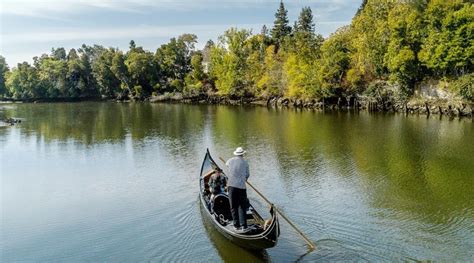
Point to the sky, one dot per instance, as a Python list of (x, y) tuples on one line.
[(30, 28)]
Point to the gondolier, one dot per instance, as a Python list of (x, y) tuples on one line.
[(238, 175)]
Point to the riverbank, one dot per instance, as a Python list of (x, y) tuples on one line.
[(52, 100), (416, 105), (431, 97)]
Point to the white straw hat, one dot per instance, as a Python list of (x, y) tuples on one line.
[(239, 151)]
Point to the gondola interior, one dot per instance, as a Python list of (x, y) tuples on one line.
[(219, 206)]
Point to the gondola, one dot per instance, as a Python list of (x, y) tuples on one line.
[(261, 234)]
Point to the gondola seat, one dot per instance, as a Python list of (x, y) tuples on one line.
[(221, 208)]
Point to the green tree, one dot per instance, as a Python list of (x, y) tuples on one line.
[(361, 7), (464, 86), (59, 53), (52, 73), (406, 32), (132, 45), (304, 42), (23, 82), (119, 69), (194, 80), (271, 81), (305, 21), (175, 60), (280, 29), (449, 46), (142, 70), (3, 71), (303, 58), (228, 62), (87, 84), (256, 46), (196, 65), (73, 74), (370, 38), (334, 63), (107, 81), (302, 77), (92, 52)]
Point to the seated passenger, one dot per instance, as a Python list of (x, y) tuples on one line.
[(217, 182)]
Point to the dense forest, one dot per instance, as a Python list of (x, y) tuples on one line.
[(389, 47)]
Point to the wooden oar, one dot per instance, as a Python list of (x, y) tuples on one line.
[(308, 241)]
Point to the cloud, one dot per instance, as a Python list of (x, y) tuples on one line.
[(46, 8), (150, 37), (131, 32)]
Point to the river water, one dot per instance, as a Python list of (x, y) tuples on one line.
[(119, 183)]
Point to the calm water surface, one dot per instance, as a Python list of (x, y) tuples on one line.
[(118, 182)]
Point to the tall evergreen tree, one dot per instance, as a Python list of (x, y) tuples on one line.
[(264, 33), (305, 20), (295, 28), (264, 30), (132, 44), (361, 8), (280, 26)]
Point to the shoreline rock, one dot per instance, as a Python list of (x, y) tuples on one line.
[(10, 121)]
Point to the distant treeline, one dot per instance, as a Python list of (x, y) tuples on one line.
[(398, 42)]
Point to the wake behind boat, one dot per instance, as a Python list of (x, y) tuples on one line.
[(261, 234)]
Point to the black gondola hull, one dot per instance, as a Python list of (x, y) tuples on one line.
[(267, 239)]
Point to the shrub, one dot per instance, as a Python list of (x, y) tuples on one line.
[(464, 86)]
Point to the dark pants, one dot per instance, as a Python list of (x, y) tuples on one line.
[(238, 205)]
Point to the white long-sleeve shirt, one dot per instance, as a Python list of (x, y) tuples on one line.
[(238, 172)]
